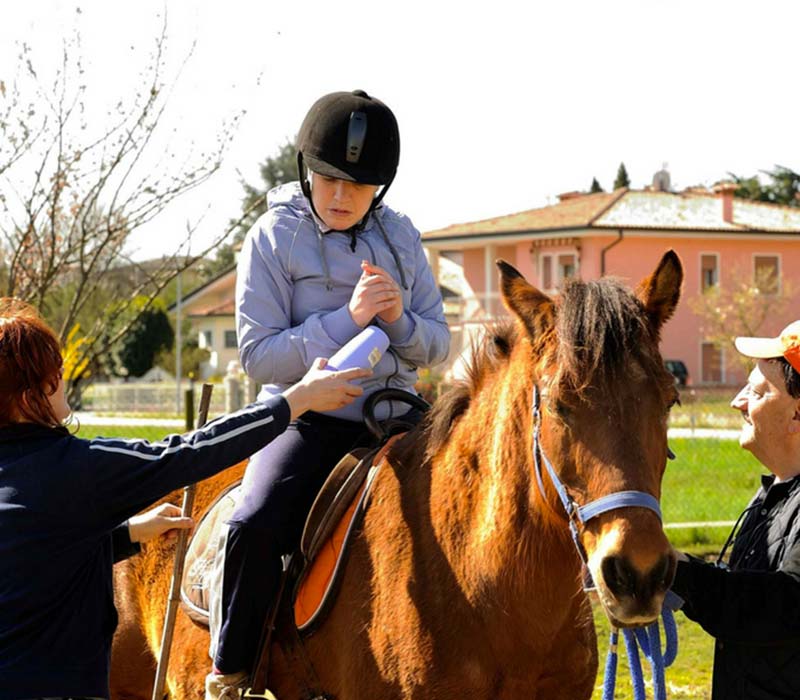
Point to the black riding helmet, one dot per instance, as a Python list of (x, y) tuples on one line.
[(350, 136)]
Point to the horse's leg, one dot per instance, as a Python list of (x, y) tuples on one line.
[(133, 667)]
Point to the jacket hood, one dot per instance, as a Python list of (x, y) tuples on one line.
[(289, 195)]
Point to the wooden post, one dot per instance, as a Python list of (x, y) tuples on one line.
[(177, 570)]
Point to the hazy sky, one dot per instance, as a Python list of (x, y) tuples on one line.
[(501, 105)]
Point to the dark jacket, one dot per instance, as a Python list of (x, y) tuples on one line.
[(60, 499), (753, 608)]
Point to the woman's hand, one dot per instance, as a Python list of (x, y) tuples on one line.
[(162, 520), (375, 294), (324, 390)]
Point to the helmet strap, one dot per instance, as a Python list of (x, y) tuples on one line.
[(381, 195)]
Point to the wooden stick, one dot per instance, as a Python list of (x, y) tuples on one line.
[(177, 571)]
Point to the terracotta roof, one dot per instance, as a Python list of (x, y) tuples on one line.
[(623, 208), (226, 308), (222, 280), (695, 211), (573, 212)]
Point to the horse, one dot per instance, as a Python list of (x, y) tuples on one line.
[(465, 580)]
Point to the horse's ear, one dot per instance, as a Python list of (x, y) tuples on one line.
[(660, 291), (534, 308)]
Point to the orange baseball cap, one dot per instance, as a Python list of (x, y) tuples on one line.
[(787, 345)]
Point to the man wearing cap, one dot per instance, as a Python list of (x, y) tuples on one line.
[(752, 605)]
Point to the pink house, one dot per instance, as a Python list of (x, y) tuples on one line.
[(624, 233)]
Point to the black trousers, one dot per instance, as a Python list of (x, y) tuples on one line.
[(279, 487)]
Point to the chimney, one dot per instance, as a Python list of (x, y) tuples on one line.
[(564, 196), (725, 190)]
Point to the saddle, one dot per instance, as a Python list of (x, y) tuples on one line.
[(325, 538)]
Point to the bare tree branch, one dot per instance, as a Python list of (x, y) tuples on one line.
[(74, 195)]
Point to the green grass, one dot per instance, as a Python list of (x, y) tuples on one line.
[(711, 480), (146, 432), (689, 678)]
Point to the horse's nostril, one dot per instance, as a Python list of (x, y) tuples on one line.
[(662, 573), (619, 576)]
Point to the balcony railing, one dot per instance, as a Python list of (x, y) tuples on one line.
[(474, 308)]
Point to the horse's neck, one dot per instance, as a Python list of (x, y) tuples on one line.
[(488, 518)]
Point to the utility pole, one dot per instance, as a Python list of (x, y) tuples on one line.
[(178, 346)]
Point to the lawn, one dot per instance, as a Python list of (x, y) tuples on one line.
[(710, 480), (147, 432)]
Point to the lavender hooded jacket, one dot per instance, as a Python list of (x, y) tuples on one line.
[(294, 282)]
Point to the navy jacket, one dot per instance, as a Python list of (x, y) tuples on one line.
[(60, 499), (752, 609)]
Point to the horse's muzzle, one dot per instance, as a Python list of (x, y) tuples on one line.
[(636, 592)]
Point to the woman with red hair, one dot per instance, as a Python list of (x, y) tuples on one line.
[(65, 504)]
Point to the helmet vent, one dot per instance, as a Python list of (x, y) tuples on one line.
[(356, 133)]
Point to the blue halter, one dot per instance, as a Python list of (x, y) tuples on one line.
[(578, 515)]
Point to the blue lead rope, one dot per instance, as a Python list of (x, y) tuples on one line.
[(649, 640)]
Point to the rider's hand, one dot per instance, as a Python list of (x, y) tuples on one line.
[(162, 520), (375, 294), (323, 390)]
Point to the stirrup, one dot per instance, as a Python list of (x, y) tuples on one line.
[(266, 695)]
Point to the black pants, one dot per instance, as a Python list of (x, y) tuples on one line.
[(279, 487)]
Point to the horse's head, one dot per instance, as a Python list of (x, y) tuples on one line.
[(604, 401)]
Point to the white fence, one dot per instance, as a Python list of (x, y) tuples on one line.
[(134, 398)]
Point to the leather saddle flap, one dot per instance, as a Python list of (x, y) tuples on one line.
[(334, 499), (201, 554)]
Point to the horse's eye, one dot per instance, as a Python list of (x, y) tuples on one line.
[(562, 411)]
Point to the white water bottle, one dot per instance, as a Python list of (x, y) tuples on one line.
[(364, 350)]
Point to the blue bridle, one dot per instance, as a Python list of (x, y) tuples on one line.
[(578, 515)]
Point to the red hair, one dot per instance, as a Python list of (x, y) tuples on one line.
[(30, 365)]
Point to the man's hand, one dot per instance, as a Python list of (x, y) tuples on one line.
[(376, 294), (162, 520), (324, 390)]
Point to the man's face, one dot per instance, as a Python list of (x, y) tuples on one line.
[(769, 414)]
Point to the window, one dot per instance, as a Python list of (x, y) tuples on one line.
[(547, 271), (711, 359), (709, 271), (230, 339), (766, 273), (566, 266), (206, 339), (555, 268)]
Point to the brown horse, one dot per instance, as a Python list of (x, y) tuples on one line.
[(465, 581)]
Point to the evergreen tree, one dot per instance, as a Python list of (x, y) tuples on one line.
[(783, 188), (596, 186), (274, 171), (150, 333), (622, 177)]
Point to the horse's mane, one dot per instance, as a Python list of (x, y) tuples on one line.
[(600, 328), (486, 354)]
